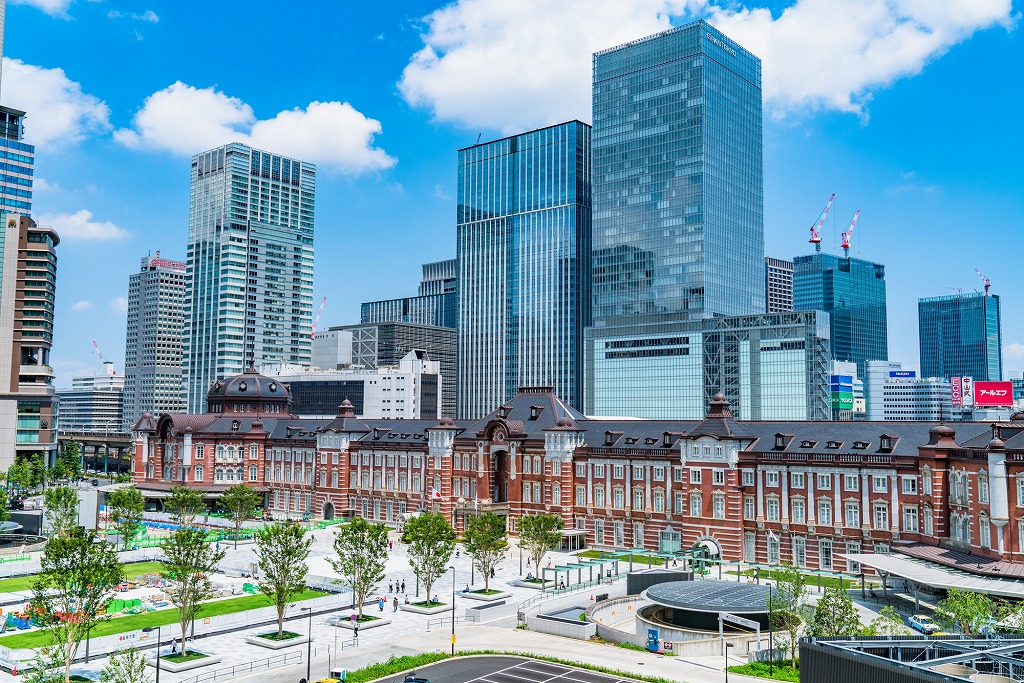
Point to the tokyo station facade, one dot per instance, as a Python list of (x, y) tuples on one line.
[(801, 493)]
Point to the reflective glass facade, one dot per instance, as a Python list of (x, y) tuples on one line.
[(436, 303), (961, 336), (250, 265), (852, 291), (769, 366), (678, 179), (524, 269), (17, 163)]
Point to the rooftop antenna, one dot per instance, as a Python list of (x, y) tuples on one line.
[(478, 136), (815, 228), (847, 233)]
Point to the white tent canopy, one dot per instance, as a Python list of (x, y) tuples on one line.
[(937, 575)]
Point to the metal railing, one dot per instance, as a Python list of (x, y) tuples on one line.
[(239, 669), (441, 621)]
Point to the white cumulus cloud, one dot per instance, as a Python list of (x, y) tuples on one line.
[(513, 66), (82, 305), (186, 120), (1013, 350), (149, 15), (59, 112), (56, 8), (80, 226), (119, 305)]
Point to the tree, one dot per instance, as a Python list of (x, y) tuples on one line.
[(58, 472), (20, 474), (486, 540), (240, 503), (835, 616), (281, 551), (125, 507), (539, 534), (788, 606), (184, 504), (61, 503), (47, 667), (126, 666), (78, 573), (965, 610), (431, 544), (5, 510), (189, 560), (887, 623), (71, 457), (362, 550), (38, 468)]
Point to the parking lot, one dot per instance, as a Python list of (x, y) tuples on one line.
[(508, 670)]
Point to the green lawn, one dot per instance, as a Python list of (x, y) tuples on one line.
[(811, 580), (781, 672), (637, 559), (163, 617), (24, 583)]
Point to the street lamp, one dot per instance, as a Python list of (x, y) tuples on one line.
[(727, 646), (453, 609), (309, 639), (150, 629), (771, 645)]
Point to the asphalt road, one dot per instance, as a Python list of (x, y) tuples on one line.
[(507, 670)]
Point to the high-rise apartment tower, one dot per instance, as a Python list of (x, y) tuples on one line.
[(250, 265), (778, 285), (961, 336), (19, 160)]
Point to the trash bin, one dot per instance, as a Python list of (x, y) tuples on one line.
[(340, 674)]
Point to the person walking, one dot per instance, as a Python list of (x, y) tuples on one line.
[(389, 587), (380, 604), (394, 605), (403, 585)]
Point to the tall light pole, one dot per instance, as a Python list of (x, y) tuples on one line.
[(309, 640), (771, 645), (727, 646), (453, 609), (150, 629)]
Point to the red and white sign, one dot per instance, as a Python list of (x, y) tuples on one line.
[(164, 263), (967, 389), (993, 394), (956, 392)]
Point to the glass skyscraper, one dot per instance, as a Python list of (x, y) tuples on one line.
[(852, 290), (435, 304), (249, 264), (18, 161), (961, 336), (678, 213), (524, 269)]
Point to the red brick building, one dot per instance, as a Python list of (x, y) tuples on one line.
[(803, 493)]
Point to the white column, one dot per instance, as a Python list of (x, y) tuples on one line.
[(865, 502), (894, 519), (784, 480), (812, 504), (837, 500), (760, 495)]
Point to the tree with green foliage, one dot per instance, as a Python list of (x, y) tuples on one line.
[(239, 502), (47, 667), (281, 552), (184, 504), (834, 616), (5, 508), (539, 534), (37, 465), (486, 540), (887, 623), (362, 551), (57, 472), (20, 474), (78, 573), (125, 506), (122, 478), (126, 666), (788, 606), (966, 610), (61, 506), (71, 457), (431, 544), (188, 562)]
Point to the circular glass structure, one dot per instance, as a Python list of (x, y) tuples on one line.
[(696, 604)]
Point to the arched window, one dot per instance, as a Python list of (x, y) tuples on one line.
[(220, 452)]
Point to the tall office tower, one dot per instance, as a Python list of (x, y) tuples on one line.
[(961, 336), (778, 285), (678, 207), (523, 250), (156, 322), (436, 304), (28, 272), (379, 345), (249, 284), (18, 159), (853, 292), (95, 403)]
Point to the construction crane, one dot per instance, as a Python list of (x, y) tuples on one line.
[(816, 228), (988, 283), (96, 350), (846, 235), (316, 320)]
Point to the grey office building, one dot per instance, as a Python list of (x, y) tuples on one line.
[(961, 336), (156, 323), (778, 284), (523, 253), (435, 304), (678, 210)]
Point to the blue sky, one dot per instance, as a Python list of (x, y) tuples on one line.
[(908, 110)]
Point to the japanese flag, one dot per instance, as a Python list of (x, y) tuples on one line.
[(435, 494)]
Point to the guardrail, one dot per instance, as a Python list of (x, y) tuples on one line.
[(441, 621), (233, 671)]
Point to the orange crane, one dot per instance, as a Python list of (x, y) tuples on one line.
[(816, 228), (316, 320), (988, 283), (847, 233)]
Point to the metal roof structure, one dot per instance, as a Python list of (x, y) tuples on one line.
[(937, 575), (710, 595)]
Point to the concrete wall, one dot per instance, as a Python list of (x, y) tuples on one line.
[(482, 614), (580, 630)]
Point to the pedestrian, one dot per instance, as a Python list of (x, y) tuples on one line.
[(389, 587), (527, 562), (492, 572), (174, 647), (312, 538), (380, 604), (403, 585), (218, 546), (394, 604), (407, 598), (457, 552), (355, 630), (391, 545)]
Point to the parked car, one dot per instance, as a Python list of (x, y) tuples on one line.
[(923, 624), (95, 482), (413, 678)]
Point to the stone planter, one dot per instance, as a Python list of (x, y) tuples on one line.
[(345, 622), (416, 609), (276, 644), (484, 597), (534, 586), (185, 666)]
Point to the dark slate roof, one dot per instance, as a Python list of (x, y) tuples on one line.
[(720, 423), (402, 431), (249, 386), (518, 413), (346, 421), (632, 433), (911, 436)]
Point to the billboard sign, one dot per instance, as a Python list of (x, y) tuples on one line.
[(842, 401), (956, 391), (967, 391), (903, 374), (993, 393)]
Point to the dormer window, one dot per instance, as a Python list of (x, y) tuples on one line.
[(235, 424), (243, 385), (780, 440), (273, 386), (610, 438), (834, 444), (535, 412), (632, 439), (886, 443), (650, 441), (503, 412), (860, 445), (806, 443)]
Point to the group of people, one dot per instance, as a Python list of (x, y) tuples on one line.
[(395, 587)]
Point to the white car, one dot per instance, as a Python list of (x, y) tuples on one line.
[(923, 624)]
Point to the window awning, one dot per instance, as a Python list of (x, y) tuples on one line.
[(710, 546), (936, 575)]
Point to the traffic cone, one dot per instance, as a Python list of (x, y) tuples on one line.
[(591, 597)]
